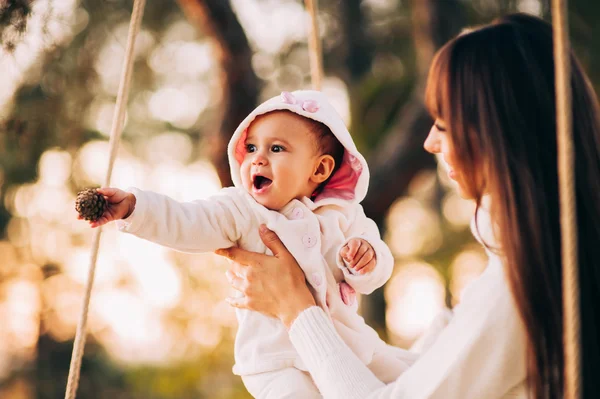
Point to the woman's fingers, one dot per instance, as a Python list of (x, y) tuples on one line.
[(241, 302), (235, 281), (241, 256), (272, 241), (248, 258)]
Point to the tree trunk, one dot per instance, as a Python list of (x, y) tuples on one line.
[(360, 48), (216, 19), (400, 156)]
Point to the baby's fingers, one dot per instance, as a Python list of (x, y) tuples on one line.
[(102, 220), (362, 249), (107, 191), (113, 195), (365, 259), (353, 247), (369, 267)]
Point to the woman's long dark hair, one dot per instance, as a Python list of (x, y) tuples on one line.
[(494, 88)]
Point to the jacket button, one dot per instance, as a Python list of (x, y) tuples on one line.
[(309, 241), (297, 213), (317, 279)]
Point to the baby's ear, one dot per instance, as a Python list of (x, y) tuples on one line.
[(323, 169)]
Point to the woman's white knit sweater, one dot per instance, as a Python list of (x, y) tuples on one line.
[(481, 353)]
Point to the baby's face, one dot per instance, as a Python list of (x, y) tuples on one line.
[(281, 156)]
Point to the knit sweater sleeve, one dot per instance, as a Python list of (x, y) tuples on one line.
[(196, 226), (480, 354)]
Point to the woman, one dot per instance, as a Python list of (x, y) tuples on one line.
[(491, 92)]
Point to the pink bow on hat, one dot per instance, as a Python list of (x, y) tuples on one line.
[(307, 105)]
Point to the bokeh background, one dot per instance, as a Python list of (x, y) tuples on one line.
[(158, 324)]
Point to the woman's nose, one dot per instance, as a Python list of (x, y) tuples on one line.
[(432, 142)]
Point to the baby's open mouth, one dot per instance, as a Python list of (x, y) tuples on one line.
[(260, 182)]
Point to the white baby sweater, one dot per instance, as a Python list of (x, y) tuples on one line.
[(480, 354), (313, 234)]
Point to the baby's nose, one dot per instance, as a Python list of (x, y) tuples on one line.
[(259, 159)]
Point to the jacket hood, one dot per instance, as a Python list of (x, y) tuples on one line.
[(350, 181)]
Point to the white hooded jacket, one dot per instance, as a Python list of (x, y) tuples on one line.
[(314, 231)]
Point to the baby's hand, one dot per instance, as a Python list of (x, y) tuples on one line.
[(359, 255), (120, 205)]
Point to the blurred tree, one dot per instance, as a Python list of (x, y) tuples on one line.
[(240, 86), (382, 56)]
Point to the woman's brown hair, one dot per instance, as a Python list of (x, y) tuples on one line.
[(494, 89)]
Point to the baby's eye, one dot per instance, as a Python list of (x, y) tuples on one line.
[(277, 148), (250, 147)]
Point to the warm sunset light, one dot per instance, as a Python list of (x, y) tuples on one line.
[(159, 325)]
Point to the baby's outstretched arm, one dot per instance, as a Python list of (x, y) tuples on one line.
[(195, 226)]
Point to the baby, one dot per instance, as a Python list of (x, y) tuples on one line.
[(296, 169)]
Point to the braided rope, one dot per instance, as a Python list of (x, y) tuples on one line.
[(115, 134), (568, 221), (314, 46)]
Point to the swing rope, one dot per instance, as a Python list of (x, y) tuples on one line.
[(115, 134), (314, 45), (568, 221)]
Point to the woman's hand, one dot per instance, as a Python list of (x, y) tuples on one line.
[(272, 285)]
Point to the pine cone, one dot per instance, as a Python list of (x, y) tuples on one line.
[(90, 204)]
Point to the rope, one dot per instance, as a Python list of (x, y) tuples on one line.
[(314, 45), (115, 134), (566, 175)]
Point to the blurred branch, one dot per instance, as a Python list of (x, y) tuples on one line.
[(400, 156), (360, 48), (240, 85)]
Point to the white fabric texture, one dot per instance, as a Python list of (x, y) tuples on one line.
[(481, 353), (288, 383), (314, 232)]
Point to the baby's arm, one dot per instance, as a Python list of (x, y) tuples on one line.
[(197, 226), (376, 266)]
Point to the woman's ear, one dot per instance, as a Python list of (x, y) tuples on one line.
[(323, 169)]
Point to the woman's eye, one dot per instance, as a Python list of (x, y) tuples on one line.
[(277, 148), (440, 127), (250, 147)]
